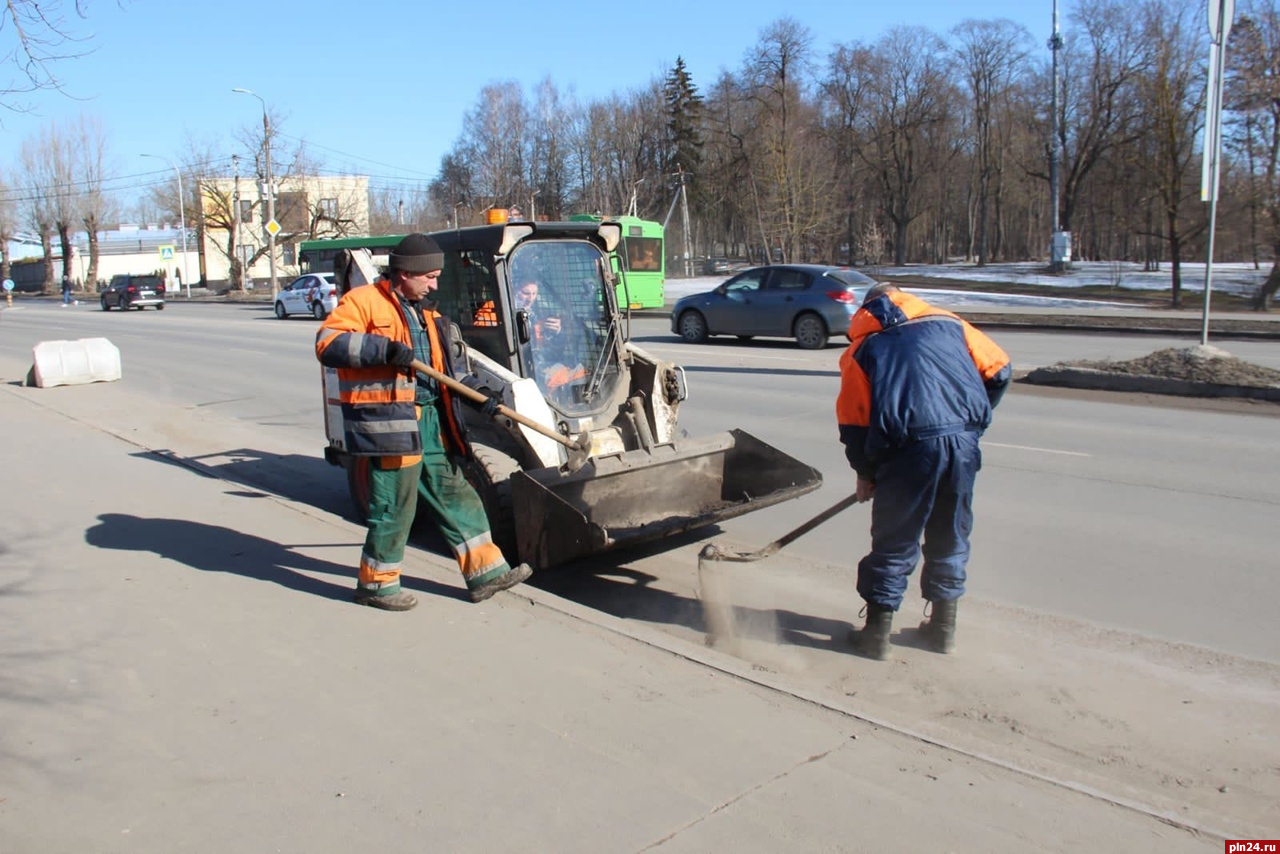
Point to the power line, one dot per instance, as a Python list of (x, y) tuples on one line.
[(33, 192), (357, 157)]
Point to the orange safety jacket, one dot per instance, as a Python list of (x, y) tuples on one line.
[(912, 372), (378, 400), (486, 315)]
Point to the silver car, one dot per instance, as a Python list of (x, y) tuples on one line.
[(807, 302), (314, 294)]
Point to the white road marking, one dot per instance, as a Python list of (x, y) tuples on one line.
[(1041, 450)]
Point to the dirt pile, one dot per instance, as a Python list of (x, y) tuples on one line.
[(1201, 364)]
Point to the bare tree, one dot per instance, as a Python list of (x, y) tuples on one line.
[(42, 37), (549, 167), (1171, 89), (291, 210), (89, 157), (451, 192), (492, 144), (8, 227), (906, 92), (991, 55), (59, 158), (782, 138), (39, 196), (1099, 106), (219, 212), (727, 164), (1253, 93), (845, 101)]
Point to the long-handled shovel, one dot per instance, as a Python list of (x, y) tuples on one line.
[(713, 552), (713, 586), (579, 446)]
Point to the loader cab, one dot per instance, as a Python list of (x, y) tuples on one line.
[(539, 300)]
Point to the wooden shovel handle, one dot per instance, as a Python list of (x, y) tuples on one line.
[(480, 397)]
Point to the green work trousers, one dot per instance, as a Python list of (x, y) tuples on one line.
[(451, 502)]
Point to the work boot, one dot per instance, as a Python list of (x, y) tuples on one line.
[(873, 640), (401, 600), (939, 632), (508, 579)]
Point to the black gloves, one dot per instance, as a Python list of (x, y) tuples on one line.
[(492, 399), (399, 354)]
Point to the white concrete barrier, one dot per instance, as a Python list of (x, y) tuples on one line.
[(85, 360)]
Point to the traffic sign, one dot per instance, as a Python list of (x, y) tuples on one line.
[(166, 253), (1221, 14), (273, 228), (8, 284)]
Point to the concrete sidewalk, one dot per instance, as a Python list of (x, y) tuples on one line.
[(183, 670)]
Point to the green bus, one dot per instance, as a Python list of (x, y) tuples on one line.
[(316, 256), (643, 258)]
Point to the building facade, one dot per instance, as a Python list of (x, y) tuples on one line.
[(232, 224), (235, 215)]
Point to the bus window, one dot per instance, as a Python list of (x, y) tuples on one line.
[(644, 254)]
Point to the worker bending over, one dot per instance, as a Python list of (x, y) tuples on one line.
[(918, 386)]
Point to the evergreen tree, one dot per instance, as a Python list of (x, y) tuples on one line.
[(684, 121)]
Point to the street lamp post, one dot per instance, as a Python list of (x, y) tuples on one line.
[(1059, 241), (182, 218), (635, 185), (270, 188)]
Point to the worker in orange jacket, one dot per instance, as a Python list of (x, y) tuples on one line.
[(407, 426), (918, 386)]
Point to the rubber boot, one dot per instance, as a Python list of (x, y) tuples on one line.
[(508, 579), (939, 633), (873, 640), (401, 600)]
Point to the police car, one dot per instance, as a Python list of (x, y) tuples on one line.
[(314, 294)]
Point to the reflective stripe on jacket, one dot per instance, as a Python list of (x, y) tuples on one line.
[(910, 372), (378, 407)]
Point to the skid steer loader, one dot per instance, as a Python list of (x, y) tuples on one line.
[(565, 361)]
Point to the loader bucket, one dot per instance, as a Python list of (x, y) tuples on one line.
[(637, 496)]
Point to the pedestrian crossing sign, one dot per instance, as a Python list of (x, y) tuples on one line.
[(166, 253)]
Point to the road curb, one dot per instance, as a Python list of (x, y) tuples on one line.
[(1080, 323), (1089, 378)]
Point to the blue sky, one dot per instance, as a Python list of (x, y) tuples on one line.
[(380, 87)]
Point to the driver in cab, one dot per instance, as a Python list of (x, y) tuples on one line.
[(544, 332)]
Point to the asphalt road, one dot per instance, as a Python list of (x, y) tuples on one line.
[(1121, 511)]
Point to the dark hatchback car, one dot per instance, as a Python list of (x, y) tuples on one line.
[(129, 291), (715, 265), (807, 302)]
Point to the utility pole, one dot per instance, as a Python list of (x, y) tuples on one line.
[(182, 219), (1060, 241), (1221, 15), (635, 185), (684, 217), (235, 215), (269, 190)]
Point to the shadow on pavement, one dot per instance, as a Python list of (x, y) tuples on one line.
[(304, 479), (631, 594), (213, 548)]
